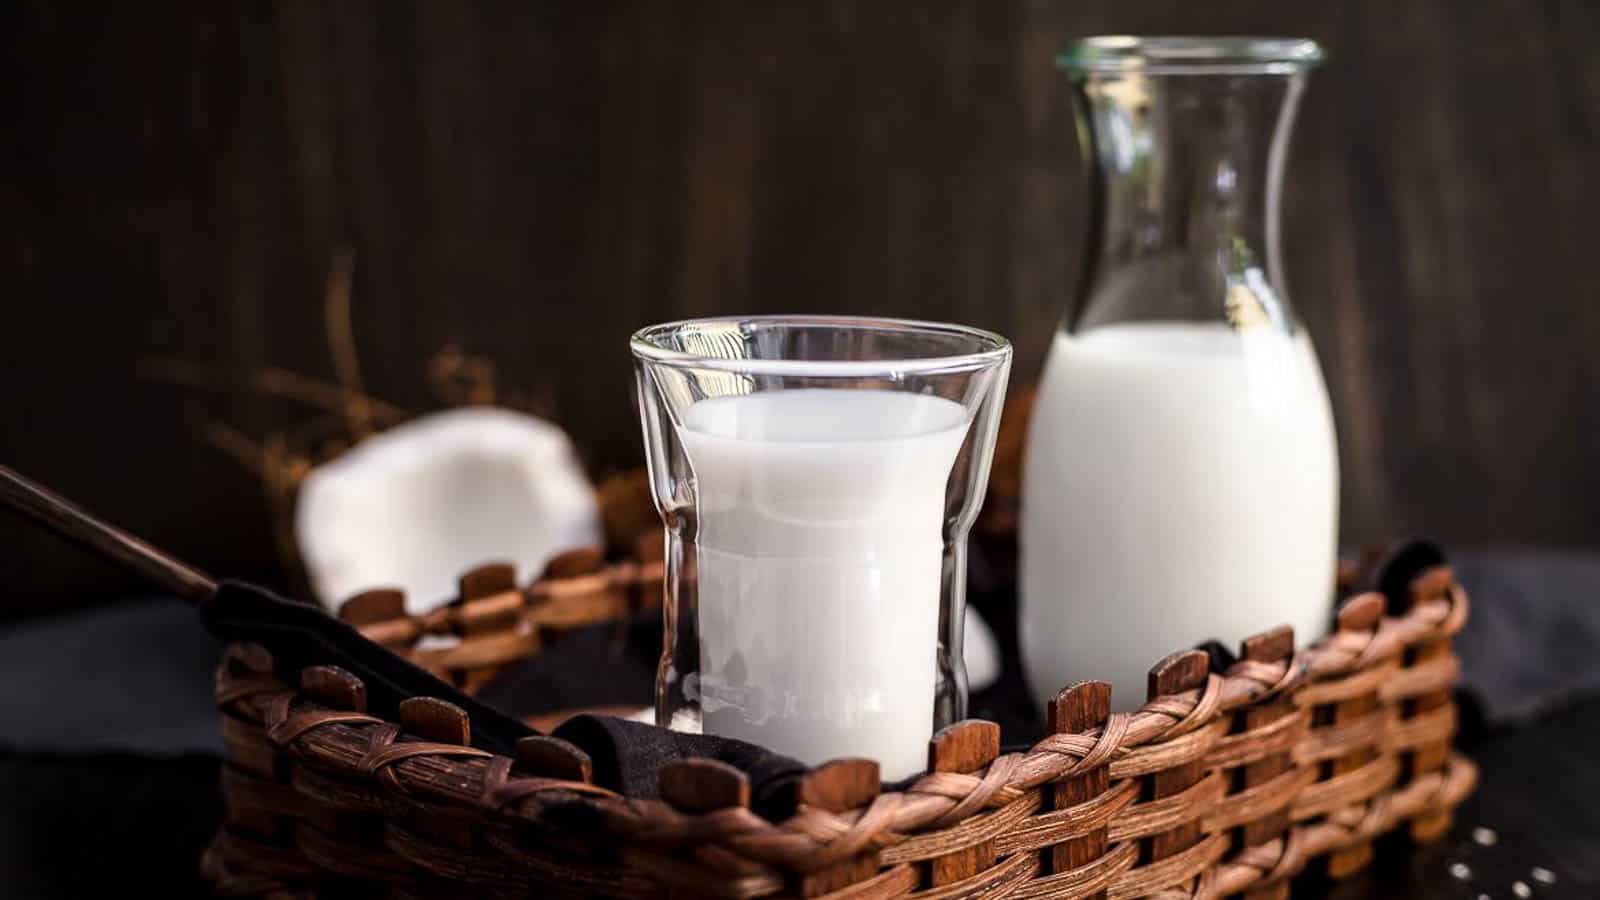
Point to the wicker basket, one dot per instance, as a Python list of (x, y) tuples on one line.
[(1224, 782)]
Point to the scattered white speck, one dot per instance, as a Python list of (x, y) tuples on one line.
[(1460, 871), (1543, 875), (1521, 889), (1485, 837)]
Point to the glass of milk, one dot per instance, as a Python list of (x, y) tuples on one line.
[(817, 477), (1181, 478)]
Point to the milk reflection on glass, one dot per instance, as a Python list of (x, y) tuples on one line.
[(819, 561), (817, 477)]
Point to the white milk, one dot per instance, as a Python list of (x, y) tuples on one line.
[(1181, 483), (819, 552)]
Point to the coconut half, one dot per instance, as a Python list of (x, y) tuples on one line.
[(415, 506)]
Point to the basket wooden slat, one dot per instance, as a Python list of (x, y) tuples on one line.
[(494, 623), (1428, 717), (1227, 780)]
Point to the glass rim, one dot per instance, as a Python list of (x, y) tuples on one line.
[(992, 348), (1190, 55)]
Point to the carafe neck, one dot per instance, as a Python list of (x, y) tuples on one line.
[(1184, 142)]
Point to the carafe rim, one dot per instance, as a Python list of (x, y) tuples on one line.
[(1190, 55)]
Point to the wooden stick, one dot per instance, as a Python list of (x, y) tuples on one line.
[(1185, 670), (838, 787), (1272, 646), (1076, 709), (1430, 585), (1362, 612), (967, 746), (67, 519)]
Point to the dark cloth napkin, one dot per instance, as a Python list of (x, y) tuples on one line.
[(136, 678), (1532, 643), (628, 755), (300, 635)]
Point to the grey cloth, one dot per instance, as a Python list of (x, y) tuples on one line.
[(1533, 640), (132, 678)]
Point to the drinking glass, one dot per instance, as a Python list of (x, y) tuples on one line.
[(817, 477)]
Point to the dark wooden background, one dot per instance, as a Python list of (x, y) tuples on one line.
[(529, 181)]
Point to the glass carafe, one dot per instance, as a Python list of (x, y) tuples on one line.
[(1181, 480)]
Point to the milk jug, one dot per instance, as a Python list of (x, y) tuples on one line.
[(1181, 478)]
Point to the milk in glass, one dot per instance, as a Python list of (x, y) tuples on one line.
[(1182, 484), (818, 557)]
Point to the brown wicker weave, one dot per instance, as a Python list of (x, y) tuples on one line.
[(1224, 782), (496, 623)]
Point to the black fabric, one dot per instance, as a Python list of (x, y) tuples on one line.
[(628, 756), (1392, 572), (299, 635), (605, 665)]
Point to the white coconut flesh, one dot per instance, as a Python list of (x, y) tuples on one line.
[(415, 506)]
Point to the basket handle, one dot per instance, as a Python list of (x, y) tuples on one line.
[(57, 513)]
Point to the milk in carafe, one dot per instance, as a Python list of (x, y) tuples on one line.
[(1182, 484)]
